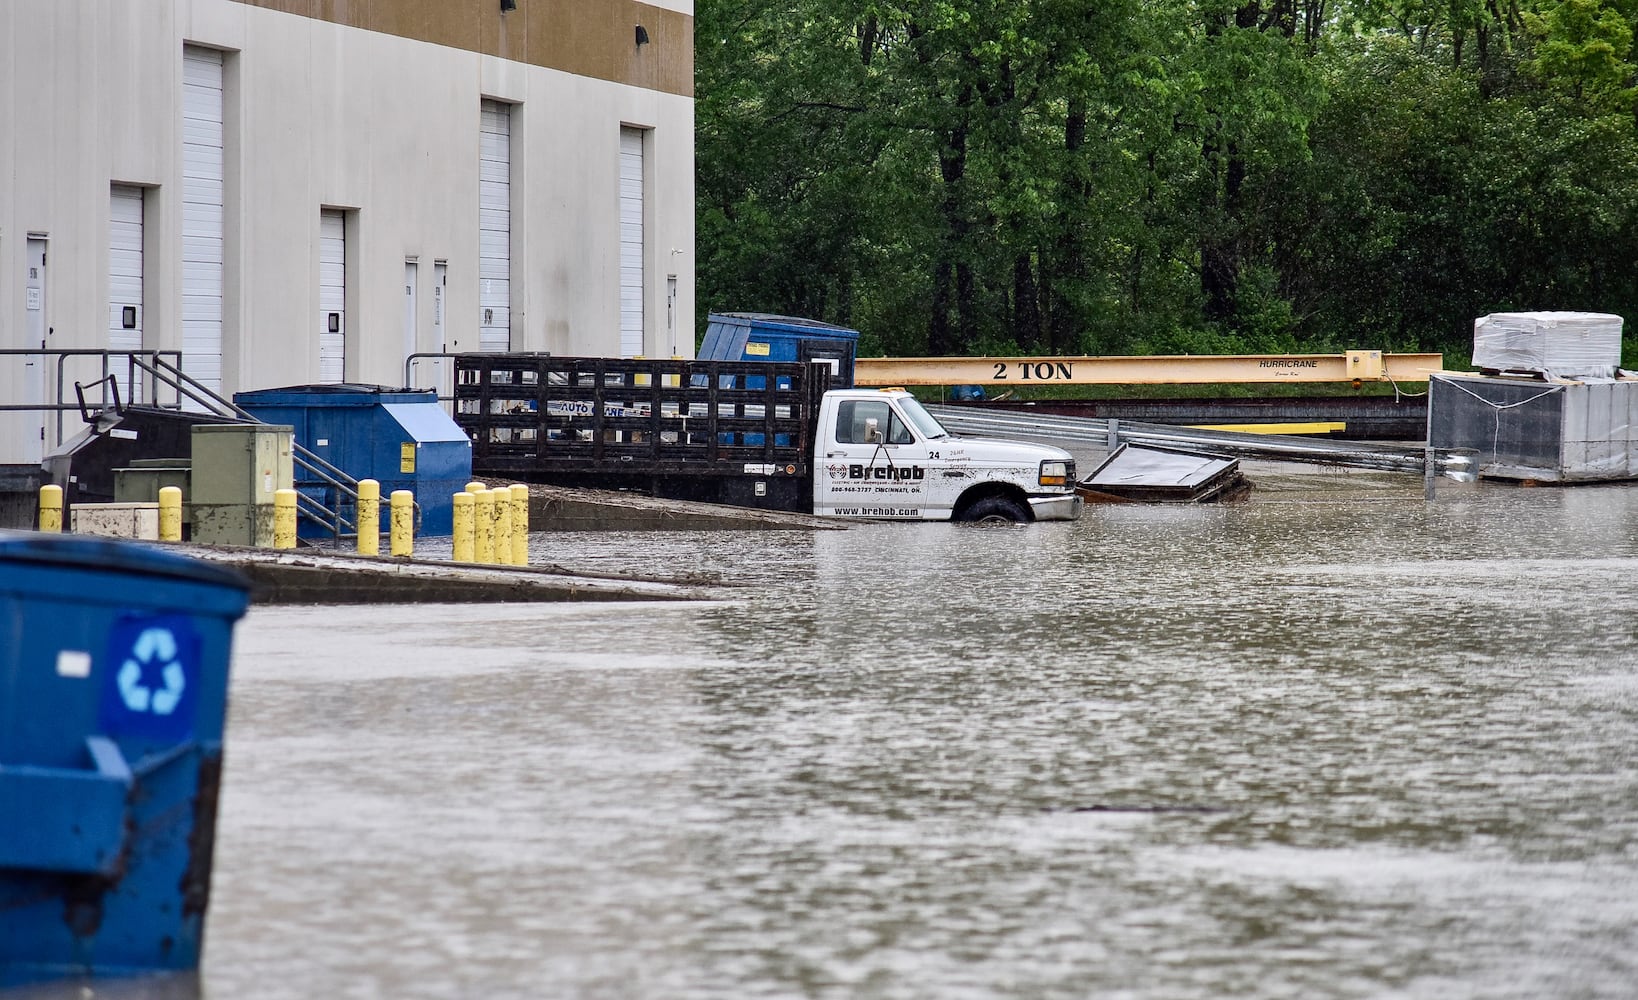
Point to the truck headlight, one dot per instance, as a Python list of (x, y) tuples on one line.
[(1056, 473)]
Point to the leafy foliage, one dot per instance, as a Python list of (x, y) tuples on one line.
[(1053, 176)]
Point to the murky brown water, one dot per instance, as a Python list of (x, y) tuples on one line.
[(1334, 742)]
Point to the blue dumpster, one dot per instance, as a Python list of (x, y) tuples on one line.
[(113, 695), (763, 337), (401, 438)]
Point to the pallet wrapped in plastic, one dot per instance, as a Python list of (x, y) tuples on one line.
[(1555, 344)]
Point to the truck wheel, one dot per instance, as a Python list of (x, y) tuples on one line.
[(997, 510)]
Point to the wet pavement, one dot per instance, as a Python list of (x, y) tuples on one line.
[(1332, 742)]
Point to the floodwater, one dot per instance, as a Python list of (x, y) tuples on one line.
[(1333, 742)]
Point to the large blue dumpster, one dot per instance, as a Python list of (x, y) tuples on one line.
[(763, 337), (113, 695), (401, 438)]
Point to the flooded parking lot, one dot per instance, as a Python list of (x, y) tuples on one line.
[(1333, 742)]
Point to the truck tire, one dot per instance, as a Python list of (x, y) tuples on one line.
[(997, 510)]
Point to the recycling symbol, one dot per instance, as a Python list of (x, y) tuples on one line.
[(155, 650)]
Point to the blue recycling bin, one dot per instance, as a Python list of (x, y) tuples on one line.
[(113, 696)]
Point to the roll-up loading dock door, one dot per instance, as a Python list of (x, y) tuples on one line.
[(495, 228), (632, 247), (202, 215), (332, 295), (125, 283)]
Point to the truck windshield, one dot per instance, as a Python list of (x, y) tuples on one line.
[(924, 422)]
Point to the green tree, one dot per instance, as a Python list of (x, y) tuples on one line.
[(1171, 175)]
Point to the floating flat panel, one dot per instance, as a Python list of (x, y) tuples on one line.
[(1160, 475)]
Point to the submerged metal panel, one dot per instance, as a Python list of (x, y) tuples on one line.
[(1151, 467)]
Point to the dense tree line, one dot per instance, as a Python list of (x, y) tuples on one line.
[(1166, 176)]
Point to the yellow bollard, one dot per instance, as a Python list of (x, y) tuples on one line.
[(520, 525), (51, 508), (474, 486), (402, 535), (284, 519), (369, 517), (503, 525), (463, 541), (483, 540), (170, 514)]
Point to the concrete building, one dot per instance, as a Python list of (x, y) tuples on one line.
[(300, 191)]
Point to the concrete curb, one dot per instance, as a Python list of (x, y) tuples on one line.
[(304, 577)]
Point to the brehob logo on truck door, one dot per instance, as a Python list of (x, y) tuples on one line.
[(886, 473)]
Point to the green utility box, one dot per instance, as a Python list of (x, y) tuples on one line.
[(236, 469), (141, 481)]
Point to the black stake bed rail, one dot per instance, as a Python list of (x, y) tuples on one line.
[(729, 431)]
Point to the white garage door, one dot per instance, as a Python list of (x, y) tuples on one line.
[(495, 227), (332, 295), (202, 248), (125, 284), (631, 242)]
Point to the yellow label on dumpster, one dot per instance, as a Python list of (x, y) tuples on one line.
[(761, 350), (406, 457)]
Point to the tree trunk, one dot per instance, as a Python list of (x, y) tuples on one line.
[(1068, 260), (938, 324), (1219, 249), (952, 164), (1026, 307)]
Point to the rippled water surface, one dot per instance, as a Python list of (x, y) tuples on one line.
[(1334, 742)]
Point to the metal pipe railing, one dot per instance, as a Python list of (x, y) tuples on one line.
[(1111, 433)]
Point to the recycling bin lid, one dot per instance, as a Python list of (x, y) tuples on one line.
[(109, 555)]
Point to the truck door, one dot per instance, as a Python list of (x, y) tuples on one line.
[(875, 465)]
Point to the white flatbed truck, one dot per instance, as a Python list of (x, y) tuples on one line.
[(774, 436)]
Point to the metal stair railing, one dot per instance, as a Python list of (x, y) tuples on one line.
[(310, 507), (1110, 433)]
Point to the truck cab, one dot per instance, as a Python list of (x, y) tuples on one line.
[(878, 453)]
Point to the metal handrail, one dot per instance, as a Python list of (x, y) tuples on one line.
[(62, 355), (328, 474), (411, 359), (409, 367), (165, 367), (1110, 433)]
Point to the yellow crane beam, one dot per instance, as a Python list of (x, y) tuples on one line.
[(1180, 369)]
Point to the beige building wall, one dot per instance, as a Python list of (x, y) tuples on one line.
[(371, 107)]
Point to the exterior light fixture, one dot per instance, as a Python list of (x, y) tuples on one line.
[(507, 5), (642, 35)]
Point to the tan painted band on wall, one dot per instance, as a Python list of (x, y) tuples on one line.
[(595, 38)]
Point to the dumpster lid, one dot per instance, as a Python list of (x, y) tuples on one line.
[(333, 394), (110, 554), (426, 424), (771, 319)]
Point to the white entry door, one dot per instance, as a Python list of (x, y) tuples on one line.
[(411, 311), (440, 332), (125, 286), (332, 296), (34, 305)]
